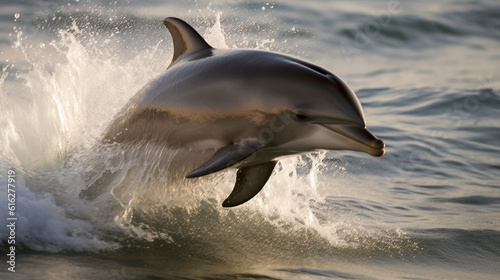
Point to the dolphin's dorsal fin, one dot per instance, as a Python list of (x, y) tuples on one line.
[(186, 39)]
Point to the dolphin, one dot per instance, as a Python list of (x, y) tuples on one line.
[(244, 109)]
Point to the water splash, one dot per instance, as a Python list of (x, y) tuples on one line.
[(215, 34), (53, 113)]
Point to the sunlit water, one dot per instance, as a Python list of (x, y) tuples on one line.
[(427, 75)]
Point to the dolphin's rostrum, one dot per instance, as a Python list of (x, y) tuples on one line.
[(244, 109)]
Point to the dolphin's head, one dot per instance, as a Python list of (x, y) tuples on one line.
[(322, 112)]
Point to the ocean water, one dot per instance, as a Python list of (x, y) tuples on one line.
[(427, 74)]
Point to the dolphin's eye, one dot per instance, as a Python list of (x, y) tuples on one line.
[(301, 117)]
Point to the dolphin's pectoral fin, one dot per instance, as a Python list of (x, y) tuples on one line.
[(226, 156), (249, 181), (186, 39)]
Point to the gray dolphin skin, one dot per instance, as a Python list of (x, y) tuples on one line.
[(244, 109)]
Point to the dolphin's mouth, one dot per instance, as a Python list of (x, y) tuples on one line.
[(371, 144)]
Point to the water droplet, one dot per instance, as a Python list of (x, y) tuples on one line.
[(263, 8)]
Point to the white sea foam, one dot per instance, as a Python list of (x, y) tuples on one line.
[(43, 226)]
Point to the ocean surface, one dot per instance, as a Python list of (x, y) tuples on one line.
[(426, 72)]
